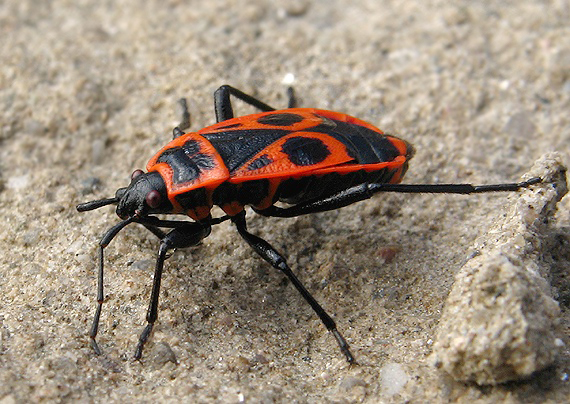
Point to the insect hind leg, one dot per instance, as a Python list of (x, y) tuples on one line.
[(364, 191)]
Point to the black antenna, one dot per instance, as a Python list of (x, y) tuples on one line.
[(82, 207)]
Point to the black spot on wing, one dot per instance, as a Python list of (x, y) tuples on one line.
[(365, 145), (281, 119), (237, 147), (259, 162), (305, 151), (187, 162)]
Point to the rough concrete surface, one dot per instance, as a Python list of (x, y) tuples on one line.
[(88, 93), (499, 321)]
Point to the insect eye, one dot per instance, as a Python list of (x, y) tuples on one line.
[(136, 173), (153, 199)]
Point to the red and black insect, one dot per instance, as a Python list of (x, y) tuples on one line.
[(311, 159)]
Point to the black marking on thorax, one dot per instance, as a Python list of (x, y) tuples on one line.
[(187, 162)]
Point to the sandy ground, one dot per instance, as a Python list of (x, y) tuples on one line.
[(88, 93)]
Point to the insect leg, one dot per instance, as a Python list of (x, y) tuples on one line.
[(107, 238), (367, 190), (269, 254), (153, 224), (453, 188), (292, 100), (223, 105), (190, 234), (185, 122)]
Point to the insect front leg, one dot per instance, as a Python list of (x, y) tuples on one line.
[(107, 238), (152, 224), (273, 257), (187, 235)]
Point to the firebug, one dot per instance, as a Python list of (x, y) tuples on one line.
[(311, 159)]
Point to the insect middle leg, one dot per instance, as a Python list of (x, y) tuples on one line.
[(223, 104), (273, 257)]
